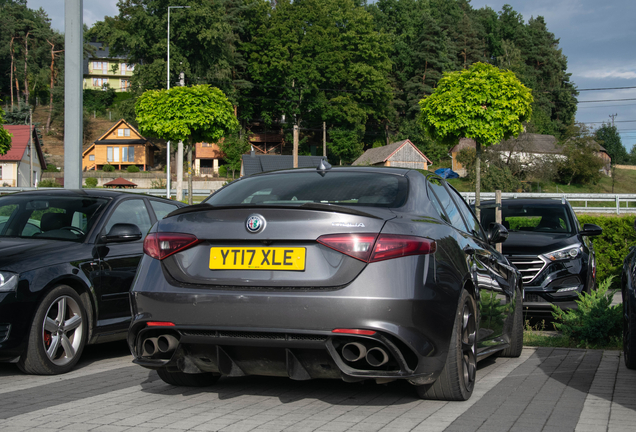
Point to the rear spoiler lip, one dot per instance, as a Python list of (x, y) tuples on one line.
[(307, 206)]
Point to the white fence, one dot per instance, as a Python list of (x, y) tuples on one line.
[(581, 203)]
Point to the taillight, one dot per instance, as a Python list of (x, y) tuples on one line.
[(162, 245), (373, 248)]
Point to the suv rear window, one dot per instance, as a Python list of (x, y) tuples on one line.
[(343, 188), (531, 218)]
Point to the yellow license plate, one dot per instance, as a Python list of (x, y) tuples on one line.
[(257, 258)]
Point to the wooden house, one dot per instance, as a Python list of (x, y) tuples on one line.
[(401, 154), (15, 165), (206, 159), (121, 146)]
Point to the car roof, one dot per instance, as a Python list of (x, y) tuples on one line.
[(99, 193), (384, 170), (528, 201)]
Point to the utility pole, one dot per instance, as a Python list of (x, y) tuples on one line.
[(180, 154), (73, 66), (295, 146), (324, 139), (31, 184), (613, 116)]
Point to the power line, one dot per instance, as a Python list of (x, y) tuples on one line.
[(607, 100)]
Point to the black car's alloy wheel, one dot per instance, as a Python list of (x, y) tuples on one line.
[(58, 334), (187, 380), (457, 380), (629, 332)]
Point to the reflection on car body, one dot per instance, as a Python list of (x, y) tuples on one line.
[(396, 279)]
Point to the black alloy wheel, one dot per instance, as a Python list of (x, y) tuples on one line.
[(457, 380)]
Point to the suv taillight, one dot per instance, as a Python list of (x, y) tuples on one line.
[(372, 248), (162, 245)]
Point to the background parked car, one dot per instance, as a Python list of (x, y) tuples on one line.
[(628, 290), (351, 273), (553, 253), (67, 261)]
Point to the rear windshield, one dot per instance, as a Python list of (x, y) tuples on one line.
[(543, 218), (297, 188)]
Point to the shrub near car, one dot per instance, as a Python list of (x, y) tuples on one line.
[(553, 253), (67, 261), (350, 273)]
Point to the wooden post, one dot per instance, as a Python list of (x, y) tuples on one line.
[(324, 139), (498, 213), (295, 153)]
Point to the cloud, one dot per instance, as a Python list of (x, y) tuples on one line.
[(608, 74)]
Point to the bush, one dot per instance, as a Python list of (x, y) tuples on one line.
[(108, 168), (91, 182), (595, 323), (132, 168), (222, 171), (613, 245), (51, 168), (48, 183)]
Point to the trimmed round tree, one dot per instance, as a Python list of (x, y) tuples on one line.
[(190, 114), (483, 102)]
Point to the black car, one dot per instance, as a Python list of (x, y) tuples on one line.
[(347, 273), (553, 253), (628, 289), (67, 261)]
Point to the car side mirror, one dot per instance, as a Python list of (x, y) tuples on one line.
[(122, 232), (497, 233), (591, 230)]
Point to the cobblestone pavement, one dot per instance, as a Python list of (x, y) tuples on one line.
[(544, 390)]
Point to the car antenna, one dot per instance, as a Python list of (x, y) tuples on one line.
[(323, 167)]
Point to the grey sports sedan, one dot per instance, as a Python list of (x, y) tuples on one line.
[(349, 273)]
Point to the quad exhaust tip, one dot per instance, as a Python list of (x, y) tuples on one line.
[(377, 357), (354, 351), (160, 344)]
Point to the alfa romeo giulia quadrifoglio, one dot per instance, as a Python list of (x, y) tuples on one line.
[(349, 273)]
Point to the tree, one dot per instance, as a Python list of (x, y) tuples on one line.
[(189, 114), (607, 136), (5, 136), (234, 146), (582, 165), (483, 103)]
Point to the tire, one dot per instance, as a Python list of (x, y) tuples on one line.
[(457, 380), (516, 332), (629, 331), (188, 380), (58, 334)]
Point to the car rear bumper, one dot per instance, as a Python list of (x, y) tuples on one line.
[(290, 332)]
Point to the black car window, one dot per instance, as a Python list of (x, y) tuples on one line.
[(473, 225), (360, 188), (162, 209), (132, 211), (448, 204), (46, 216), (533, 217)]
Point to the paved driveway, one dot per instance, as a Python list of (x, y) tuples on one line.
[(543, 390)]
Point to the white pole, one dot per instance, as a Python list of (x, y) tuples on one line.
[(73, 59)]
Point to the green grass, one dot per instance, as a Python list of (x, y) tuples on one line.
[(537, 336)]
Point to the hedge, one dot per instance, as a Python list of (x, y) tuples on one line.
[(613, 245)]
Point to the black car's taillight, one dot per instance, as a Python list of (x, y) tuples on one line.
[(372, 248), (162, 245)]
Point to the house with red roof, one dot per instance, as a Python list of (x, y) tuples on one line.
[(15, 166)]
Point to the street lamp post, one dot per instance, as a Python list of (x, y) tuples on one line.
[(168, 82)]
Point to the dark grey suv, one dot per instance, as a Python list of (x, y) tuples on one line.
[(352, 273), (553, 253)]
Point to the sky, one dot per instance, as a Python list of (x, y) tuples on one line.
[(597, 37)]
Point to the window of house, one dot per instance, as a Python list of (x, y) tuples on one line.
[(127, 132), (91, 157), (125, 84), (206, 144), (115, 154), (128, 154), (0, 171), (120, 132), (97, 65), (109, 154), (130, 67), (98, 82)]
